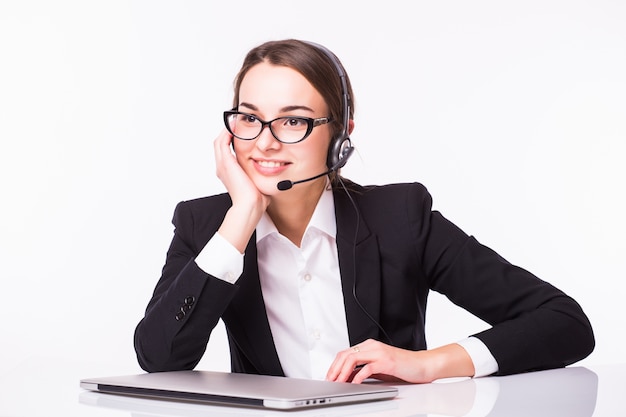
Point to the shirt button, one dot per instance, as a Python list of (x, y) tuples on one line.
[(316, 334), (307, 277)]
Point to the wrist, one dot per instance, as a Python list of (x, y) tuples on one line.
[(239, 224)]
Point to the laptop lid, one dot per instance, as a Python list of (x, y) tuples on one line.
[(240, 389)]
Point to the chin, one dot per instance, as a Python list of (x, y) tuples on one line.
[(268, 186)]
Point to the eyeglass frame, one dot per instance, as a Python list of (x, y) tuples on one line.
[(311, 124)]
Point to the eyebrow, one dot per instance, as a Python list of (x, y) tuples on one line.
[(282, 110)]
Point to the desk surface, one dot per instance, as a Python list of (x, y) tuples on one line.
[(597, 391)]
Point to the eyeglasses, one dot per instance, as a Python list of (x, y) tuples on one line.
[(287, 129)]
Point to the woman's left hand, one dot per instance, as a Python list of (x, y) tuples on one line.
[(374, 359)]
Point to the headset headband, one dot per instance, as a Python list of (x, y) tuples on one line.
[(337, 150)]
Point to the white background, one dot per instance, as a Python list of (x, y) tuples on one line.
[(513, 114)]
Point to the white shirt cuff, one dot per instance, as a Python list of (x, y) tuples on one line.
[(221, 259), (484, 362)]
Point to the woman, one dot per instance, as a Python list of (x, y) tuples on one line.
[(323, 278)]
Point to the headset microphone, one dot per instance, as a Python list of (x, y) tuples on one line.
[(345, 154)]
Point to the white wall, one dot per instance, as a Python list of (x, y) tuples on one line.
[(512, 113)]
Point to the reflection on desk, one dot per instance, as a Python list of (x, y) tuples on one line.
[(569, 392), (50, 386)]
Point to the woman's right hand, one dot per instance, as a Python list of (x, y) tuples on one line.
[(249, 203), (239, 186)]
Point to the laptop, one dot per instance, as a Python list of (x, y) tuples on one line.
[(243, 390)]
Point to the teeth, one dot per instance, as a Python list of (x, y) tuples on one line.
[(269, 164)]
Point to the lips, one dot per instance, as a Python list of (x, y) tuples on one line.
[(270, 166)]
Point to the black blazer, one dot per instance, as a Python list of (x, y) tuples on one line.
[(392, 250)]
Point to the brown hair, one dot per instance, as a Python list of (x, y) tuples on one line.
[(309, 61)]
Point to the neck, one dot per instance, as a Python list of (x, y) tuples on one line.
[(291, 211)]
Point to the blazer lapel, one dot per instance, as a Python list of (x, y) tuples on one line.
[(251, 329), (359, 259)]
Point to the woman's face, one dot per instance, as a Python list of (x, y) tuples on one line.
[(268, 91)]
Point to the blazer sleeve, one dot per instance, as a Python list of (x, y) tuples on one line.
[(534, 325), (186, 304)]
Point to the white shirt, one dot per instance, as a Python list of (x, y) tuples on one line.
[(302, 293)]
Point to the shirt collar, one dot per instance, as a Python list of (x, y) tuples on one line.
[(323, 218)]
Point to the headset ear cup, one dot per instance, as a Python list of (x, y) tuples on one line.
[(337, 151)]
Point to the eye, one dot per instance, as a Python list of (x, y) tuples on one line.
[(245, 119), (248, 118), (295, 123)]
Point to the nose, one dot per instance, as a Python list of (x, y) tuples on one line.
[(266, 140)]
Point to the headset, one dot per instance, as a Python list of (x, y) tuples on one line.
[(340, 147)]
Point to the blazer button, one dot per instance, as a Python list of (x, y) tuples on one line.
[(180, 315), (190, 300)]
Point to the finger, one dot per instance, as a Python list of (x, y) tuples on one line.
[(353, 363), (225, 160), (335, 367), (362, 373), (364, 360), (347, 371), (221, 144), (338, 364)]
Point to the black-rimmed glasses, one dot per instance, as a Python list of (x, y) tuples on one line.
[(286, 129)]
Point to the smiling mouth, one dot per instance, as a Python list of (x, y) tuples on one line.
[(270, 164)]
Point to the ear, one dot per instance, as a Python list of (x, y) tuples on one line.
[(350, 126)]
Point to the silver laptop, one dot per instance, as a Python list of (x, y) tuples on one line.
[(240, 389)]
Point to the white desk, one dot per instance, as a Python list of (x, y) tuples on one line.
[(53, 389)]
